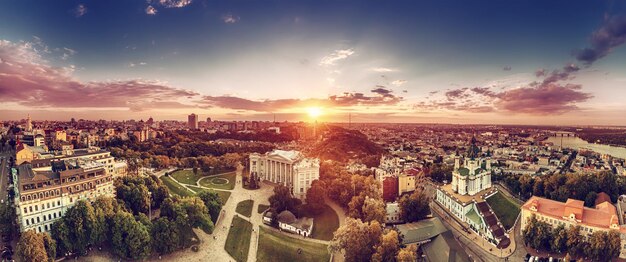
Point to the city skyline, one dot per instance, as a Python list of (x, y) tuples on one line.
[(432, 62)]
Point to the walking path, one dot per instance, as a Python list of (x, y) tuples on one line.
[(211, 247)]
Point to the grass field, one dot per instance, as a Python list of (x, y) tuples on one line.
[(324, 223), (245, 207), (274, 246), (175, 188), (216, 181), (224, 195), (186, 176), (238, 240), (262, 208), (505, 208)]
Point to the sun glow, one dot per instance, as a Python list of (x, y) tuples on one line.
[(314, 112)]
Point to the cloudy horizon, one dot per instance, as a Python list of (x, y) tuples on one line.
[(430, 62)]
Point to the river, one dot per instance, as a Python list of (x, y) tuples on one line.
[(577, 143)]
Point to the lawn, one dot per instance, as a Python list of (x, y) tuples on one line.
[(224, 195), (262, 208), (225, 181), (186, 176), (238, 240), (505, 208), (175, 188), (245, 207), (274, 246), (324, 224)]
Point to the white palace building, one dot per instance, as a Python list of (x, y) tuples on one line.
[(465, 198), (289, 168)]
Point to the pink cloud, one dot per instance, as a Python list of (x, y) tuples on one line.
[(27, 78)]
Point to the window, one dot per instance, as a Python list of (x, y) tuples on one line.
[(38, 220), (48, 205), (30, 209), (24, 210), (36, 207), (27, 222)]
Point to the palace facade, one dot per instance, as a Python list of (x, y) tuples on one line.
[(289, 168)]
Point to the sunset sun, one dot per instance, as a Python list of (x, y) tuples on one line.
[(314, 112)]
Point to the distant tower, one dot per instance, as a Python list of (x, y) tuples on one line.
[(192, 121), (29, 124), (349, 120), (150, 121), (208, 120)]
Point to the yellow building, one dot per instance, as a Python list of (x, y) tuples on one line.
[(574, 213)]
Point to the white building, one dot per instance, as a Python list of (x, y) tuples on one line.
[(289, 168), (393, 213), (46, 188), (465, 198)]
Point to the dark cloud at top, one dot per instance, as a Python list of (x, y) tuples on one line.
[(611, 34)]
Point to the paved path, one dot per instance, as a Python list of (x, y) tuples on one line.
[(211, 247), (342, 214)]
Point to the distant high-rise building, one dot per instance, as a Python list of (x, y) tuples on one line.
[(150, 121), (192, 121), (29, 124)]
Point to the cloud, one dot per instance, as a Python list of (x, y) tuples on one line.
[(230, 18), (398, 82), (173, 3), (80, 10), (336, 56), (381, 96), (132, 64), (611, 34), (545, 98), (542, 100), (26, 78), (540, 72), (150, 10), (507, 68), (382, 69)]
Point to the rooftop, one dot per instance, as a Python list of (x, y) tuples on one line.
[(464, 198), (603, 215), (422, 230)]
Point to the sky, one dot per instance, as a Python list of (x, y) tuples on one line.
[(485, 62)]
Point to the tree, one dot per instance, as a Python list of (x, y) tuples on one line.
[(559, 239), (165, 236), (50, 246), (407, 254), (388, 248), (213, 203), (129, 238), (32, 247), (315, 196), (358, 240), (374, 209), (81, 223), (7, 218), (282, 200), (574, 241), (60, 233), (613, 244), (414, 207)]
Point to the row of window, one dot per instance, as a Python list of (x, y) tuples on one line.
[(43, 207), (57, 192), (45, 218)]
